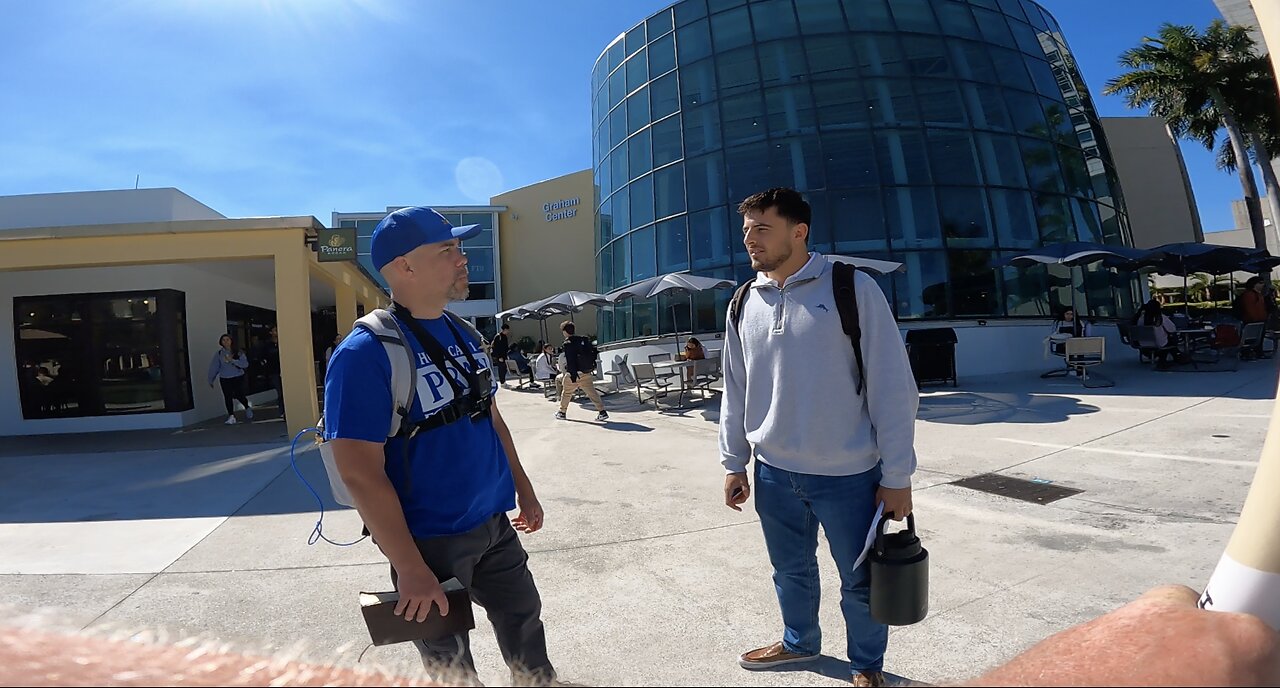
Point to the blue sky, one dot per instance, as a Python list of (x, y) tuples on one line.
[(302, 107)]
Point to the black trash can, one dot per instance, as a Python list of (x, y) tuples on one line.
[(933, 355)]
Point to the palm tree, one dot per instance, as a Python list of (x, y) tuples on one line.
[(1180, 73)]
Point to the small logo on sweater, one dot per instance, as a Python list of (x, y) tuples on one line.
[(823, 306)]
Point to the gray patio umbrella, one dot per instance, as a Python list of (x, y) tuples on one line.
[(674, 283), (1072, 254), (880, 267)]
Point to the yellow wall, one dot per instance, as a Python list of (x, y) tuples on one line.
[(542, 256)]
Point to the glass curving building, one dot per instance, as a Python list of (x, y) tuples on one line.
[(943, 134)]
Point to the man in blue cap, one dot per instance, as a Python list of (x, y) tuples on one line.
[(434, 494)]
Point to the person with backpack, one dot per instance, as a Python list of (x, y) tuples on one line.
[(818, 390), (413, 427), (579, 373)]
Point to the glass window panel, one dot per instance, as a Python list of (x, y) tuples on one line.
[(730, 30), (773, 19), (480, 264), (482, 240), (868, 15), (1043, 78), (669, 191), (986, 4), (1024, 289), (482, 291), (880, 55), (857, 221), (621, 212), (617, 125), (939, 102), (709, 239), (698, 84), (743, 119), (637, 68), (604, 277), (748, 170), (673, 312), (662, 55), (921, 290), (666, 141), (1098, 291), (1026, 38), (1053, 218), (604, 222), (841, 104), (1001, 160), (850, 160), (736, 71), (973, 283), (893, 102), (1028, 116), (912, 216), (454, 219), (485, 220), (701, 129), (831, 57), (615, 54), (994, 28), (927, 56), (644, 313), (622, 329), (953, 158), (1075, 172), (1012, 9), (640, 153), (1010, 68), (1088, 222), (902, 156), (617, 87), (714, 6), (789, 110), (618, 168), (638, 110), (796, 164), (1034, 16), (705, 181), (986, 106), (1015, 218), (1111, 233), (673, 246), (913, 15), (621, 262), (693, 42), (1041, 165), (635, 39), (965, 221), (956, 19), (781, 62), (658, 24), (644, 255), (641, 191), (664, 96), (689, 11), (820, 238), (973, 61), (820, 16)]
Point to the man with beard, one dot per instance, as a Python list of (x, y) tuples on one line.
[(832, 432), (434, 493)]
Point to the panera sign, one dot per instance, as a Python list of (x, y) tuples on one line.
[(336, 245)]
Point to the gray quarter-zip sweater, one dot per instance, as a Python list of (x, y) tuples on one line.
[(790, 379)]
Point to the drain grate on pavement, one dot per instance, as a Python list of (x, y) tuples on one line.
[(1017, 488)]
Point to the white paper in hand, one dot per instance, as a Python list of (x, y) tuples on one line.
[(871, 536)]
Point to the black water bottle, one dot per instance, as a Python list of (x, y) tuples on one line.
[(899, 575)]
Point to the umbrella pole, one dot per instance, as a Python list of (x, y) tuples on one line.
[(1186, 307)]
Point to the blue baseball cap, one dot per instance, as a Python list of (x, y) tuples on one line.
[(408, 228)]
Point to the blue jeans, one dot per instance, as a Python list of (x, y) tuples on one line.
[(791, 505)]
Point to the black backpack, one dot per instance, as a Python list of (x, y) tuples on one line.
[(842, 288), (587, 353)]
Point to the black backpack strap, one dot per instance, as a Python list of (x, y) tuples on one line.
[(735, 304), (846, 296)]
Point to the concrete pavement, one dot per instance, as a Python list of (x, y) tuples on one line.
[(646, 577)]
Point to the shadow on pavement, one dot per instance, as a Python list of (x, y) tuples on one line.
[(971, 408)]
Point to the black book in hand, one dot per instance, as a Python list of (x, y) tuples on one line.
[(385, 628)]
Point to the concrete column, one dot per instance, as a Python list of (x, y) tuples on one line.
[(293, 320), (346, 303)]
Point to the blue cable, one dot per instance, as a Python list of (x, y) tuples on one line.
[(318, 533)]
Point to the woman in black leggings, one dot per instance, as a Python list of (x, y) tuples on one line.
[(227, 367)]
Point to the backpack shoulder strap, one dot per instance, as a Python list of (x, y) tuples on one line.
[(382, 325), (468, 327), (844, 290), (735, 304)]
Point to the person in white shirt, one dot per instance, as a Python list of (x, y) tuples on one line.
[(546, 370)]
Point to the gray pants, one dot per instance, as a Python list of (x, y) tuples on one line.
[(490, 561)]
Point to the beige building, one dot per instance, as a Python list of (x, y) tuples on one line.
[(538, 242), (1153, 178)]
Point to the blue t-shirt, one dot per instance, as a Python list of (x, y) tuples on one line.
[(460, 476)]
